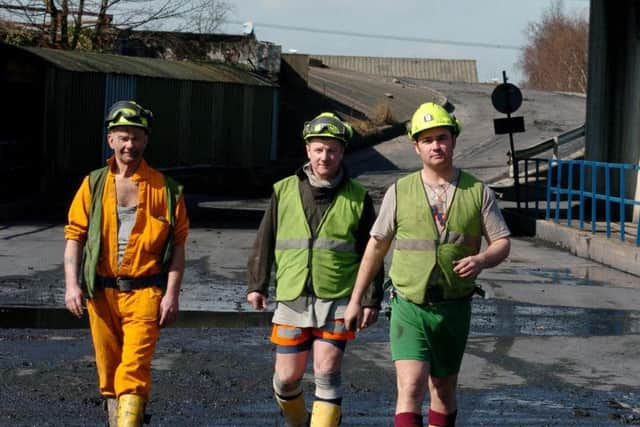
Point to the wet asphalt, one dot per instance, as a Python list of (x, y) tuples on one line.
[(554, 343)]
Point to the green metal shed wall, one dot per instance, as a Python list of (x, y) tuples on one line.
[(73, 120), (201, 123), (224, 124)]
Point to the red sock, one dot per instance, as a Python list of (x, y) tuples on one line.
[(442, 420), (407, 419)]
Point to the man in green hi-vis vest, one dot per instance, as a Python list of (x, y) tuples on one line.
[(314, 232), (437, 216)]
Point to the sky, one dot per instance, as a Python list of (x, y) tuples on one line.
[(489, 31)]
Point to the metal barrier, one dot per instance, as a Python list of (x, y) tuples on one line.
[(531, 189), (551, 143), (527, 155), (563, 185)]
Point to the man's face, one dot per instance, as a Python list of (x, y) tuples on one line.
[(325, 156), (128, 143), (435, 147)]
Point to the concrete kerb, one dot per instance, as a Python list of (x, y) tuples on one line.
[(607, 251)]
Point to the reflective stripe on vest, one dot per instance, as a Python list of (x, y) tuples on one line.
[(419, 247), (333, 245), (330, 258), (289, 333)]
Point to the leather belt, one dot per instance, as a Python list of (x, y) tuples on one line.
[(126, 284), (434, 295)]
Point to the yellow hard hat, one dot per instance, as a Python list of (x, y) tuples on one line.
[(327, 125), (430, 115), (128, 113)]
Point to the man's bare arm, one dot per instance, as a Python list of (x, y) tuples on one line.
[(170, 305), (371, 263), (73, 297)]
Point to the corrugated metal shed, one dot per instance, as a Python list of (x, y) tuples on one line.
[(452, 70), (207, 116), (148, 67)]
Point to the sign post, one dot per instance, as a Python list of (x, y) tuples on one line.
[(507, 98)]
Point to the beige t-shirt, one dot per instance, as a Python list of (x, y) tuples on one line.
[(494, 226)]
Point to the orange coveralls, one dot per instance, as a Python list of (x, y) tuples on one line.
[(124, 325)]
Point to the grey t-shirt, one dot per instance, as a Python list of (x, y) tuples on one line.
[(126, 220), (494, 226)]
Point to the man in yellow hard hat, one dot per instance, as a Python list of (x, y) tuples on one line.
[(437, 216), (314, 231), (125, 251)]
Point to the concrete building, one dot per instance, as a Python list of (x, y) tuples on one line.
[(613, 96)]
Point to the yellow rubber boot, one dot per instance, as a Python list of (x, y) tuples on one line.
[(111, 406), (130, 410), (294, 411), (325, 414)]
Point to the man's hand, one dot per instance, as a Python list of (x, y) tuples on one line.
[(357, 318), (169, 308), (73, 299), (468, 267), (257, 300), (369, 317), (495, 253), (353, 316)]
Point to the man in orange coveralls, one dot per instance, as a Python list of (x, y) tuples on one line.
[(125, 248)]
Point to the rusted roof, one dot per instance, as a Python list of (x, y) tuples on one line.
[(91, 62)]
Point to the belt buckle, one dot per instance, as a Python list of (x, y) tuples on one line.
[(124, 285)]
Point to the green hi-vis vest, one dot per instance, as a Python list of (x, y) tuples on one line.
[(91, 252), (419, 246), (328, 255)]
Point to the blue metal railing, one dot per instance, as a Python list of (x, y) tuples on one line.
[(564, 172)]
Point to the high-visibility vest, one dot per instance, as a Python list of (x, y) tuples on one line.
[(329, 255), (91, 251), (419, 247)]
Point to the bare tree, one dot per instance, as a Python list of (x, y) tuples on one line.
[(207, 16), (91, 21), (555, 57)]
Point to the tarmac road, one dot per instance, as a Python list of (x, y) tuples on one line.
[(555, 343)]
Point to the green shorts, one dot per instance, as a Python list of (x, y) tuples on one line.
[(436, 333)]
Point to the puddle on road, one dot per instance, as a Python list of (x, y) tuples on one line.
[(23, 317), (490, 318), (572, 276), (210, 301), (574, 271), (513, 319)]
